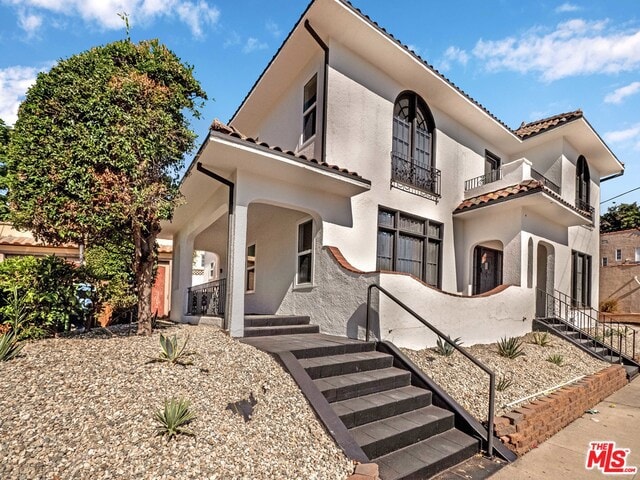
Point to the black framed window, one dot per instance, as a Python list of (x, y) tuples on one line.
[(492, 167), (413, 160), (305, 253), (409, 244), (618, 255), (309, 109), (605, 261), (583, 181), (580, 279)]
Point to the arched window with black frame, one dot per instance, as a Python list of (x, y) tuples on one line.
[(413, 160), (583, 180)]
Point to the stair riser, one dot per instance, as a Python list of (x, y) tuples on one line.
[(434, 468), (373, 414), (367, 387), (334, 350), (275, 321), (408, 437), (292, 330), (349, 367)]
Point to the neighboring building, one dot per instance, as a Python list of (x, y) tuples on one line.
[(14, 243), (452, 211), (620, 269)]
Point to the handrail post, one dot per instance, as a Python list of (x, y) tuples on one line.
[(492, 399), (368, 309)]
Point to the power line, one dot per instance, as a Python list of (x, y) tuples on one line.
[(617, 196)]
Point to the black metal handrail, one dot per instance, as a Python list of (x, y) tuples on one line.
[(545, 181), (407, 171), (463, 351), (590, 323), (490, 177), (208, 298)]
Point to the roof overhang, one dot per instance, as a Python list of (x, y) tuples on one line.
[(582, 136), (537, 201)]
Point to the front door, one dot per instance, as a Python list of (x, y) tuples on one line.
[(487, 269)]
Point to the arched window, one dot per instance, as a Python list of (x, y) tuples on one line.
[(412, 148), (583, 180)]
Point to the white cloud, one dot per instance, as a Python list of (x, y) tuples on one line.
[(621, 93), (575, 47), (252, 44), (451, 55), (621, 136), (29, 22), (567, 7), (232, 39), (273, 28), (14, 83), (197, 15)]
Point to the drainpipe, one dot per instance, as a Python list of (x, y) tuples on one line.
[(231, 186), (325, 85)]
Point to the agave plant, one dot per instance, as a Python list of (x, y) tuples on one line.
[(541, 339), (504, 383), (174, 417), (172, 351), (510, 347), (444, 347), (9, 346), (556, 359)]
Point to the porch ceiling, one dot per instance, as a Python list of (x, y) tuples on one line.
[(537, 201)]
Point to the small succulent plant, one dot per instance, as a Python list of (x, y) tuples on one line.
[(174, 418), (510, 347)]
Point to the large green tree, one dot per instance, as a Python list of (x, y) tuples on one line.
[(97, 148), (620, 217), (5, 135)]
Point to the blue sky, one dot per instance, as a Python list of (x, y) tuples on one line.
[(522, 60)]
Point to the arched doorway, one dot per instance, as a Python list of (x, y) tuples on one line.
[(487, 267), (544, 279)]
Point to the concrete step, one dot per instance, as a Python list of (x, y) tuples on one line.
[(333, 365), (280, 330), (343, 387), (275, 320), (428, 457), (377, 406), (337, 348), (632, 371), (385, 436)]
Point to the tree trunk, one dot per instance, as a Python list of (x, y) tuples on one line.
[(144, 261)]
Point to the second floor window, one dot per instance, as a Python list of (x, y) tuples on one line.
[(412, 144), (583, 180), (309, 109)]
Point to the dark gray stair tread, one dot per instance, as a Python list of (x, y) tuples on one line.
[(611, 358), (631, 370), (331, 365), (377, 406), (280, 330), (384, 436), (308, 345), (343, 387), (428, 457), (275, 320)]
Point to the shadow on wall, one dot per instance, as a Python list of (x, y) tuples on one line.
[(356, 324)]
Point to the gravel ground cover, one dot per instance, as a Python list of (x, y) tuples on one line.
[(529, 374), (82, 408)]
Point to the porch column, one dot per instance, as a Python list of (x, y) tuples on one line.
[(181, 277), (236, 270)]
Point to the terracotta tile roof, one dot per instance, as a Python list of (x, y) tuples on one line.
[(528, 186), (524, 188), (218, 126), (533, 128)]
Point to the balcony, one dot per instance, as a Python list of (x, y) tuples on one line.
[(585, 207), (408, 175)]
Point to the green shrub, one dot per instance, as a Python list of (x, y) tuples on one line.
[(503, 383), (510, 347), (110, 265), (556, 359), (541, 339), (173, 418), (172, 352), (443, 347), (46, 288), (9, 346), (609, 306)]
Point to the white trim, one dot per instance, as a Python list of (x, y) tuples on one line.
[(311, 251)]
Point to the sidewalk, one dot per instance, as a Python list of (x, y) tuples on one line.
[(564, 455)]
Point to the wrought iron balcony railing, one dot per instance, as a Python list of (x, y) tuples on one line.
[(490, 177), (585, 207), (408, 173), (545, 181), (207, 299)]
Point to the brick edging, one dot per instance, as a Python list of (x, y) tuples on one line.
[(527, 426)]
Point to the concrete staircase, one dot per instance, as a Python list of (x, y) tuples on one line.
[(394, 422), (267, 325), (588, 343)]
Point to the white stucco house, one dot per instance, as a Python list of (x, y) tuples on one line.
[(353, 161)]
